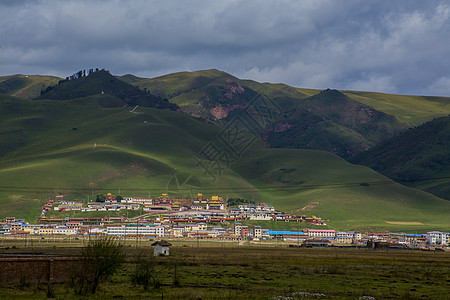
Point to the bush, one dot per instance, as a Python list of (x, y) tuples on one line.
[(144, 271), (100, 259)]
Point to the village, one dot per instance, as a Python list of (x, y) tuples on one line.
[(205, 219)]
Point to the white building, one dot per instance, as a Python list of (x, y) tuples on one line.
[(237, 229), (63, 230), (260, 216), (144, 201), (321, 233), (438, 238), (161, 248), (257, 231), (196, 227), (136, 229), (342, 237)]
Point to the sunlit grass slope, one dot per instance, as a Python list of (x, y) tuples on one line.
[(356, 196), (26, 86), (413, 110), (186, 87)]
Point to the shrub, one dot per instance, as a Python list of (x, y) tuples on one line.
[(100, 259)]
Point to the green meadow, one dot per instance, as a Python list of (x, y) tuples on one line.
[(260, 272), (26, 86), (414, 110)]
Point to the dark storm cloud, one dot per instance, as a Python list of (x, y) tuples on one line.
[(399, 47)]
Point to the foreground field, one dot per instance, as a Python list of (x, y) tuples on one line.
[(266, 273)]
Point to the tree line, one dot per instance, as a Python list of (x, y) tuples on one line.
[(77, 75), (81, 73)]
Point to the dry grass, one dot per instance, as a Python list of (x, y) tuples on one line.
[(265, 273)]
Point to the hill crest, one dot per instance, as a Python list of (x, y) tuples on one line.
[(418, 157), (102, 82)]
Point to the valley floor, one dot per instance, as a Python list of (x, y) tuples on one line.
[(264, 273)]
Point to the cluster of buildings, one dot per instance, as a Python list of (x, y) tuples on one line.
[(164, 228), (199, 209), (203, 218)]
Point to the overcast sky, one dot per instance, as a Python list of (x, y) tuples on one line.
[(400, 46)]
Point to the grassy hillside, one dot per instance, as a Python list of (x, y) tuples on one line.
[(351, 194), (301, 125), (418, 157), (333, 122), (298, 118), (102, 82), (26, 86), (414, 110), (79, 148), (181, 89)]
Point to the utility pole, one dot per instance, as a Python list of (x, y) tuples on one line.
[(137, 232)]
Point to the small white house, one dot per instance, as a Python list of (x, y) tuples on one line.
[(161, 248)]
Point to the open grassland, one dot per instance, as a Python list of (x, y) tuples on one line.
[(351, 194), (414, 110), (265, 273), (26, 86)]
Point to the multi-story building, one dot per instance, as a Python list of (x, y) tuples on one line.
[(357, 236), (177, 231), (64, 230), (261, 216), (342, 237), (321, 233), (164, 199), (237, 229), (437, 238), (200, 199), (136, 229), (215, 202), (244, 231), (257, 231), (45, 230), (144, 201), (196, 227), (15, 226)]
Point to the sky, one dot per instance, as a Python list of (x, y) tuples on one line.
[(400, 46)]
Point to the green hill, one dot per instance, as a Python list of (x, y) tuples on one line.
[(300, 118), (102, 82), (26, 86), (79, 147), (419, 157), (414, 110), (185, 88), (333, 122)]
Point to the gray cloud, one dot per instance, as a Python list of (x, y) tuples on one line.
[(399, 47)]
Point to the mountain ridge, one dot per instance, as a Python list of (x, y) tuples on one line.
[(418, 157), (102, 82), (24, 122), (77, 148)]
